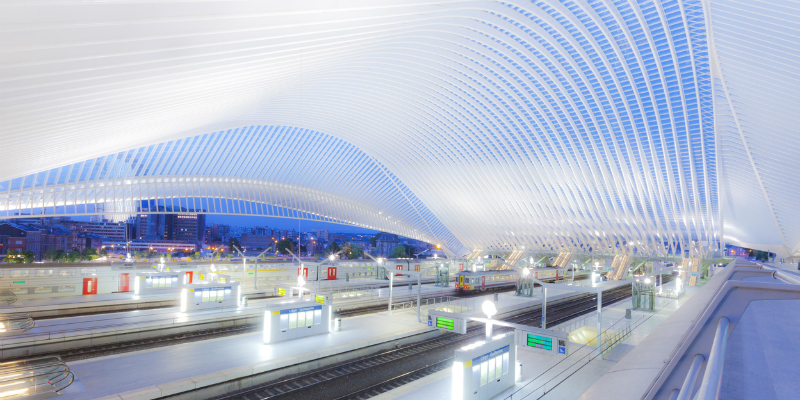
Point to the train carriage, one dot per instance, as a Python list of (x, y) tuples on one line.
[(481, 280), (468, 281), (547, 273)]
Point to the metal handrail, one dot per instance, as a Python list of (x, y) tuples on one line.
[(685, 392), (29, 360), (36, 372), (11, 299), (42, 367), (713, 375), (16, 321)]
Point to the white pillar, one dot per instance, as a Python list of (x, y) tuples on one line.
[(544, 307), (391, 287), (419, 296), (599, 318), (255, 274)]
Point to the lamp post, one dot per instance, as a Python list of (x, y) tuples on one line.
[(489, 309), (300, 282)]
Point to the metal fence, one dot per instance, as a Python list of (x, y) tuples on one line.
[(671, 293), (444, 303)]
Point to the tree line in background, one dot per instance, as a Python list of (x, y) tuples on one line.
[(53, 255), (761, 255)]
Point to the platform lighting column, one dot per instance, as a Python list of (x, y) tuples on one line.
[(490, 309)]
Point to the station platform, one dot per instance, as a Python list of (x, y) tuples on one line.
[(113, 302), (170, 370), (551, 376), (60, 334), (759, 356), (70, 305)]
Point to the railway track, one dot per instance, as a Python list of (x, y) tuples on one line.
[(257, 296), (410, 376), (90, 313), (379, 308), (188, 337), (386, 370)]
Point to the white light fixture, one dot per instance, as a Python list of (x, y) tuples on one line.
[(526, 272), (489, 308), (647, 281)]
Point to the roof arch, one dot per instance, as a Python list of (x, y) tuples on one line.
[(581, 124)]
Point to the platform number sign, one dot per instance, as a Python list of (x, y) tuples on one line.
[(445, 323), (448, 323), (540, 342), (551, 344)]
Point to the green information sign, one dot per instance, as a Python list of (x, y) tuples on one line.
[(542, 342), (18, 282), (444, 323), (319, 298), (281, 291)]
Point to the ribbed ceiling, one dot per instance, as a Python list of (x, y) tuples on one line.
[(544, 124)]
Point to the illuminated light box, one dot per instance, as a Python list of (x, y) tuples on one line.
[(553, 344), (482, 370), (295, 320), (447, 321)]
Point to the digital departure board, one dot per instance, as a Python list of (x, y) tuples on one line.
[(282, 291), (319, 298), (541, 342), (444, 323)]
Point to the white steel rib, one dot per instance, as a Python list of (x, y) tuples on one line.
[(582, 125)]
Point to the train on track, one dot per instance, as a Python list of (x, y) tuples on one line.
[(467, 281)]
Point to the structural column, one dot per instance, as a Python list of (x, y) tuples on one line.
[(599, 319), (544, 307), (419, 295), (391, 287)]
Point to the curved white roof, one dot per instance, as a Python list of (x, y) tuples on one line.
[(478, 124)]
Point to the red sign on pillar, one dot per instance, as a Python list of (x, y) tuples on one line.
[(460, 267), (124, 282), (302, 271), (331, 272), (89, 285), (417, 267), (189, 277), (400, 268)]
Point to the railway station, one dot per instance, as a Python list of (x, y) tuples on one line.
[(551, 200)]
